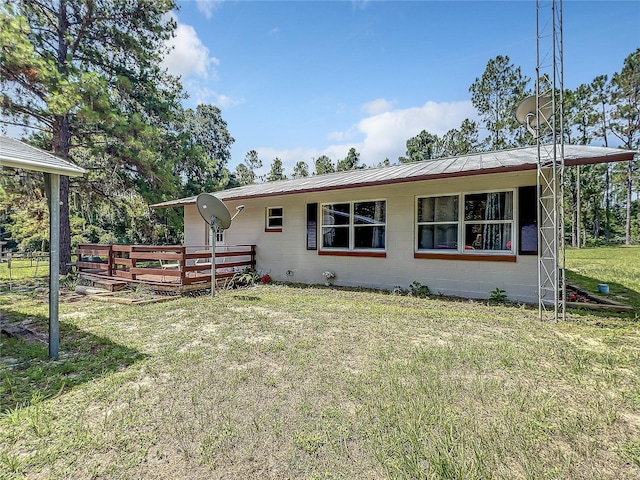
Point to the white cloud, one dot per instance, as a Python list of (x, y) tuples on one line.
[(199, 94), (343, 136), (359, 4), (379, 105), (208, 7), (188, 55), (386, 134), (382, 135)]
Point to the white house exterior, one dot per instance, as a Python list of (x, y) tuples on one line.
[(462, 226)]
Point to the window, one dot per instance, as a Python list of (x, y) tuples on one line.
[(219, 234), (488, 221), (275, 217), (467, 222), (438, 223), (354, 225)]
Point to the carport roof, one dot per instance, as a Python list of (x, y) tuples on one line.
[(517, 159), (17, 154)]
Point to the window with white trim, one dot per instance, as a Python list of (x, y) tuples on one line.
[(438, 219), (275, 218), (488, 221), (467, 222), (354, 225)]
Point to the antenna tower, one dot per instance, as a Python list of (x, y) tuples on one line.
[(550, 146)]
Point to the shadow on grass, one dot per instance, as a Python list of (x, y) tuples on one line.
[(26, 372), (617, 292)]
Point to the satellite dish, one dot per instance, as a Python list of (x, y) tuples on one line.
[(527, 115), (213, 211)]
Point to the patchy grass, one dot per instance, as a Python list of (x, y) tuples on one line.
[(22, 269), (293, 382), (619, 267)]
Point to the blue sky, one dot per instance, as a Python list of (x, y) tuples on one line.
[(300, 79)]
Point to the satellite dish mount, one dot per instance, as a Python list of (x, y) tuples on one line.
[(216, 214)]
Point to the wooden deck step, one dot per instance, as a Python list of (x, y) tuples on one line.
[(107, 284)]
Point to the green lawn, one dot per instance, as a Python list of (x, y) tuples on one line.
[(289, 382), (23, 269), (619, 267)]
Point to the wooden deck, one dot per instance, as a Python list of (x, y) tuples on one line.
[(173, 268)]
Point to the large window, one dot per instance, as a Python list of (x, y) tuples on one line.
[(467, 222), (354, 225)]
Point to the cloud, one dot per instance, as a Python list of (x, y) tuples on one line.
[(359, 4), (381, 136), (379, 105), (208, 7), (188, 55), (386, 134), (199, 94), (343, 136)]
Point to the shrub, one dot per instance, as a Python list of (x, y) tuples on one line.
[(497, 295), (416, 289)]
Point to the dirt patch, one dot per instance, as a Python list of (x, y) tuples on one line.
[(26, 330)]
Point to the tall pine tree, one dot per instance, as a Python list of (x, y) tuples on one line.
[(88, 74)]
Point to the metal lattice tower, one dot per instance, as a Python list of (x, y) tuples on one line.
[(550, 143)]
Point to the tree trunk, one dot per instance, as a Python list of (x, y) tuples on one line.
[(65, 227), (607, 207), (61, 147), (627, 239), (578, 205)]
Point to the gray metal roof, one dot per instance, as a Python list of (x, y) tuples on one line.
[(525, 158), (17, 154)]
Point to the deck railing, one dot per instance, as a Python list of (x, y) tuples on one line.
[(172, 264)]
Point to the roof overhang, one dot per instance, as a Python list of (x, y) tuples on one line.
[(17, 154)]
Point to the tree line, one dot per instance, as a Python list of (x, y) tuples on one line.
[(85, 80)]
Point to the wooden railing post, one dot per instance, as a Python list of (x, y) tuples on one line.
[(133, 262), (110, 261), (183, 262)]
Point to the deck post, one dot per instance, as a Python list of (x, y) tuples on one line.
[(110, 255), (183, 262), (132, 249)]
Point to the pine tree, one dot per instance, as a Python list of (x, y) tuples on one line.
[(88, 74), (496, 95), (626, 121)]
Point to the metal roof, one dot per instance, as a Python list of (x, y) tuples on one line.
[(17, 154), (525, 158)]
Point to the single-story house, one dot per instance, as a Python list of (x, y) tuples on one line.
[(462, 226)]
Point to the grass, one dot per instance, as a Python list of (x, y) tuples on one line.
[(619, 267), (294, 382), (23, 269)]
